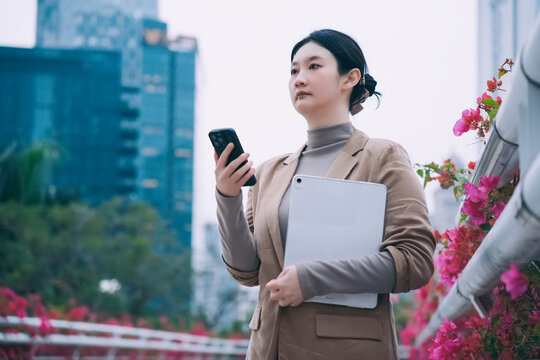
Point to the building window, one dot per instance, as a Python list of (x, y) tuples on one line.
[(182, 153), (183, 132), (150, 151), (150, 89), (150, 183), (155, 130)]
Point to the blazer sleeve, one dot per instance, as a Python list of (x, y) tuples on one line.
[(247, 278), (408, 233)]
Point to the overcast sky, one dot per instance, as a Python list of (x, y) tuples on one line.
[(422, 53)]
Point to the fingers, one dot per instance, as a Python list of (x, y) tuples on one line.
[(246, 176), (272, 286), (216, 157), (222, 160), (241, 172), (233, 165)]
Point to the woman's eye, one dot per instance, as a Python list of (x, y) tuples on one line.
[(293, 71), (314, 66)]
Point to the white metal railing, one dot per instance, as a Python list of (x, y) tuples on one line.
[(114, 337), (515, 237)]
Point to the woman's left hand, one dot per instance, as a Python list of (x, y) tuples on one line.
[(286, 288)]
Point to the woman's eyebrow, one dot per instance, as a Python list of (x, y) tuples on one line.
[(311, 58)]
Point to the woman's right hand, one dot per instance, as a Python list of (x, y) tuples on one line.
[(228, 181)]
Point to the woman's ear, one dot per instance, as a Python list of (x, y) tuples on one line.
[(352, 78)]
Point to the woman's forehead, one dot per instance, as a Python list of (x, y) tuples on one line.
[(311, 51)]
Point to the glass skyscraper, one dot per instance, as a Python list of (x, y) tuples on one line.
[(166, 125), (74, 98), (97, 24), (158, 78)]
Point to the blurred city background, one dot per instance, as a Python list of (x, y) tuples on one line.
[(106, 172)]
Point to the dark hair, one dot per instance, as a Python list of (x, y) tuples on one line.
[(348, 55)]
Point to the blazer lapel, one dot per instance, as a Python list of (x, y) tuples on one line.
[(280, 182), (345, 161)]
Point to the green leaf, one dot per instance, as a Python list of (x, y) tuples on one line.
[(491, 102), (492, 113), (433, 166), (463, 218), (426, 179), (420, 173)]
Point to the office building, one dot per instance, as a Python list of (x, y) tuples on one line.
[(503, 28), (166, 121), (74, 98), (97, 24), (158, 78)]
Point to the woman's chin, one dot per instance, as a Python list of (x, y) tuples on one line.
[(304, 109)]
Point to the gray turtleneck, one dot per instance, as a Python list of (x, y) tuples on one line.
[(374, 273)]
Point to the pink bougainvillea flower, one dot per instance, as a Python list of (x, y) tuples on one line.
[(78, 313), (471, 165), (475, 211), (493, 84), (470, 119), (460, 127), (497, 209), (45, 328), (476, 194), (461, 245), (477, 200), (447, 344), (408, 334), (489, 183), (515, 282)]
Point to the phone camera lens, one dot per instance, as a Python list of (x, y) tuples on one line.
[(298, 180)]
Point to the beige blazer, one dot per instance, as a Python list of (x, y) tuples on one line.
[(319, 331)]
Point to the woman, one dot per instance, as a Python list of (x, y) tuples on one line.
[(328, 80)]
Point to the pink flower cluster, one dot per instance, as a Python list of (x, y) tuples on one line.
[(462, 242), (447, 344), (470, 120), (478, 199), (11, 304)]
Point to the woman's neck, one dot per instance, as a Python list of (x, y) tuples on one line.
[(321, 118)]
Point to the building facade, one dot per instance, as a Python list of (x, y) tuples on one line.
[(166, 121), (503, 28), (97, 24), (74, 98), (158, 78)]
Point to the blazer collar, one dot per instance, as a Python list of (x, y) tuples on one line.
[(339, 169), (356, 142)]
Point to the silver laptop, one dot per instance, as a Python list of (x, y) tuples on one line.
[(331, 219)]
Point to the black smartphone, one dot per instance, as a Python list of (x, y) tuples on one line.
[(220, 138)]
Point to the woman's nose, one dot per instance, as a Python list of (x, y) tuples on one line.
[(300, 79)]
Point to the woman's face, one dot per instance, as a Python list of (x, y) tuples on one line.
[(315, 83)]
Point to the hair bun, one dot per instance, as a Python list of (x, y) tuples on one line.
[(370, 84)]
